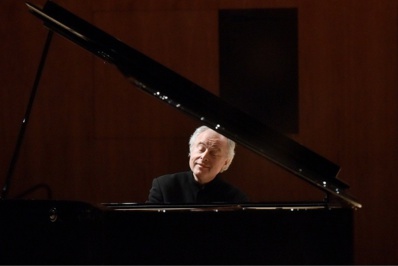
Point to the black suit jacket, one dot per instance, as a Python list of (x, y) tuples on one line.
[(182, 188)]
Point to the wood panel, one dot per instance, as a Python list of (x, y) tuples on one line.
[(94, 137), (349, 112)]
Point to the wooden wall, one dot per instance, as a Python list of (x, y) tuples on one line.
[(93, 137)]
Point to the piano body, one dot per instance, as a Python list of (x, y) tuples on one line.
[(72, 232)]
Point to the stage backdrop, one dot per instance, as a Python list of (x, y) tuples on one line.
[(94, 137)]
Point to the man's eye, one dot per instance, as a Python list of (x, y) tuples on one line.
[(215, 153), (201, 148)]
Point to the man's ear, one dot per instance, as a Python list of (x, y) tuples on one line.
[(225, 167)]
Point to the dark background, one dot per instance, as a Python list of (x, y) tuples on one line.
[(94, 137), (259, 64)]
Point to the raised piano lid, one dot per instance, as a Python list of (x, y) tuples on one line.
[(188, 97)]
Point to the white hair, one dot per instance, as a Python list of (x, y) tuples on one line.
[(230, 143)]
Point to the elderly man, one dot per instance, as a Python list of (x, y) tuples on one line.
[(210, 154)]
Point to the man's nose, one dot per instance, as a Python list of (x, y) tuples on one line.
[(205, 156)]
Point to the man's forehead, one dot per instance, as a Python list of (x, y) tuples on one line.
[(212, 138)]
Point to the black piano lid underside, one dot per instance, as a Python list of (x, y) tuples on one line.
[(179, 92)]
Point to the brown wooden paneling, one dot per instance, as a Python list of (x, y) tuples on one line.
[(348, 92), (94, 137)]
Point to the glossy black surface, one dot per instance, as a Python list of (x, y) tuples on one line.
[(72, 232)]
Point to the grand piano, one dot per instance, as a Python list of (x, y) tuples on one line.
[(76, 232)]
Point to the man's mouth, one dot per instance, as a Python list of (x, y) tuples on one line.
[(202, 165)]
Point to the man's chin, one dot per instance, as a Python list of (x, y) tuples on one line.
[(200, 170), (199, 177)]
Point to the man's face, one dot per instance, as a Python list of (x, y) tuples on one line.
[(208, 155)]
